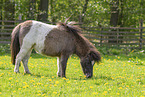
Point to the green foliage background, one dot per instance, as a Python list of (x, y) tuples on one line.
[(97, 13)]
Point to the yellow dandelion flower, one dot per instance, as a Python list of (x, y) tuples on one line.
[(106, 84), (0, 92), (43, 95), (120, 88), (91, 87), (24, 83), (142, 96), (2, 74), (24, 87), (54, 92), (105, 92), (55, 85), (46, 85), (95, 93), (27, 86), (84, 81), (68, 82), (56, 82), (32, 81), (118, 93), (39, 83), (64, 78), (50, 80), (19, 88), (35, 86), (14, 91), (38, 94), (10, 78), (39, 91), (42, 76)]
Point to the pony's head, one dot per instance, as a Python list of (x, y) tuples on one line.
[(88, 62)]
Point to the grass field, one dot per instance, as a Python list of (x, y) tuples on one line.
[(115, 76)]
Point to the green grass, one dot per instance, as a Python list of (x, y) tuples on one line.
[(115, 76)]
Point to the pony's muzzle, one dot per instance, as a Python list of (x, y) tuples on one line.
[(89, 75)]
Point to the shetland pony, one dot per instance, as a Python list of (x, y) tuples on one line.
[(61, 41)]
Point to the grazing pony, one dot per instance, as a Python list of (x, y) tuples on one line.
[(61, 41)]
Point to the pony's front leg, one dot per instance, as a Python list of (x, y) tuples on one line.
[(59, 67), (63, 64)]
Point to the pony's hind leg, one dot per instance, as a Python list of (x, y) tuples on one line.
[(19, 58), (23, 52), (25, 62)]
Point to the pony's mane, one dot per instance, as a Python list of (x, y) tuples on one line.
[(71, 27), (81, 42)]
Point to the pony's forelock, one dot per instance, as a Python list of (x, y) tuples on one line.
[(95, 55)]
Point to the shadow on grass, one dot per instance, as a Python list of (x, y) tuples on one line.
[(102, 77), (93, 78)]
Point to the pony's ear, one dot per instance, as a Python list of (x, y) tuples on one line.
[(95, 55)]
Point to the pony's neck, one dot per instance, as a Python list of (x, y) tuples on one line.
[(82, 47)]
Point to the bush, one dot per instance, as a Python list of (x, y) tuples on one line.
[(135, 53), (4, 48)]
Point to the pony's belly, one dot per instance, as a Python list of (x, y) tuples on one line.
[(51, 52)]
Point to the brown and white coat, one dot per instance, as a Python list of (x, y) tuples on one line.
[(61, 41)]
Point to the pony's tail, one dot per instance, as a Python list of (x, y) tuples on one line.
[(15, 45)]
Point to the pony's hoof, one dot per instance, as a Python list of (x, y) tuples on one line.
[(58, 75), (63, 76), (16, 72)]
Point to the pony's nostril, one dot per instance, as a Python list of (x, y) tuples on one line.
[(88, 75)]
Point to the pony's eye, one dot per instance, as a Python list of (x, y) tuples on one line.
[(93, 62)]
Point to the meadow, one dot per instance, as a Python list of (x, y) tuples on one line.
[(115, 76)]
